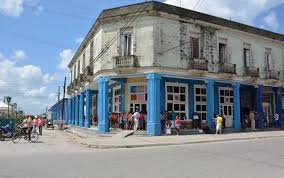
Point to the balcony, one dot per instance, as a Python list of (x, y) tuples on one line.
[(272, 74), (88, 72), (252, 71), (227, 68), (198, 64), (81, 79), (76, 82), (125, 61)]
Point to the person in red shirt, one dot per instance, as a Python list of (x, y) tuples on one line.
[(40, 124), (177, 124)]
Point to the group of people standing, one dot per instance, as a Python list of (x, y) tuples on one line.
[(130, 121)]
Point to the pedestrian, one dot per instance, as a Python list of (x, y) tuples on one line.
[(219, 122), (276, 120), (142, 121), (168, 128), (252, 121), (177, 124), (195, 121), (34, 124), (129, 121), (27, 127), (135, 117), (40, 125)]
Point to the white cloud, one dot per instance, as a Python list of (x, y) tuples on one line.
[(79, 40), (271, 21), (36, 92), (12, 8), (239, 10), (19, 55), (28, 85), (65, 57)]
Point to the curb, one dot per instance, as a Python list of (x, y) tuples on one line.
[(173, 144)]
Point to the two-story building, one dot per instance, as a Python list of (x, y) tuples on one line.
[(155, 57)]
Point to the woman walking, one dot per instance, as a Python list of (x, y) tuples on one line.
[(177, 124)]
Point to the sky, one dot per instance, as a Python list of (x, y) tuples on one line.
[(39, 37)]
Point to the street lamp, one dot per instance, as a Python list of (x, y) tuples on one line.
[(8, 99)]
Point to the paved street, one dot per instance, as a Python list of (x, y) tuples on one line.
[(58, 155)]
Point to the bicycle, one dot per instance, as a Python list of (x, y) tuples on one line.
[(19, 133)]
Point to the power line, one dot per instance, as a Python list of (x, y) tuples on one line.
[(198, 1), (118, 33)]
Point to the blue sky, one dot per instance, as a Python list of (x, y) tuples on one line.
[(38, 38)]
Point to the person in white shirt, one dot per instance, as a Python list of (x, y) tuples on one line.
[(196, 121), (135, 117), (276, 118)]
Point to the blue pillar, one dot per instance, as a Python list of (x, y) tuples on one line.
[(210, 102), (88, 108), (77, 110), (279, 105), (191, 99), (237, 106), (70, 110), (122, 98), (74, 110), (81, 109), (163, 94), (258, 105), (103, 105), (154, 104)]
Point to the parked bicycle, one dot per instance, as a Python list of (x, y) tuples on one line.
[(20, 133)]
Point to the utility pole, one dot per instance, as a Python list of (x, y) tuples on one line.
[(63, 100), (58, 104)]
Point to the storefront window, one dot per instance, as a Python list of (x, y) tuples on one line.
[(138, 97), (176, 100), (200, 101), (116, 99)]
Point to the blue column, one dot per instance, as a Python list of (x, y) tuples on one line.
[(279, 105), (77, 110), (81, 109), (103, 105), (210, 102), (191, 99), (258, 105), (237, 107), (73, 110), (154, 104), (70, 111), (122, 98), (163, 94), (88, 108)]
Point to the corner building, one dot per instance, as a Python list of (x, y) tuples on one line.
[(174, 59)]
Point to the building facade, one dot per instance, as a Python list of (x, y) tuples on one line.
[(155, 57)]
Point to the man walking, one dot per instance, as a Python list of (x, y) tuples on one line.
[(252, 121), (135, 117), (40, 124), (219, 121)]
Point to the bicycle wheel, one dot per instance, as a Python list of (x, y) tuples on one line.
[(16, 137), (34, 136)]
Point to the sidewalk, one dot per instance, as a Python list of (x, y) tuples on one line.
[(117, 140)]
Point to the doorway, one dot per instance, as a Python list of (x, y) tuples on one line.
[(226, 100)]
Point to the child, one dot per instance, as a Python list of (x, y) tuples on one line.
[(177, 124), (168, 128)]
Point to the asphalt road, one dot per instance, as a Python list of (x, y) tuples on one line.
[(57, 155)]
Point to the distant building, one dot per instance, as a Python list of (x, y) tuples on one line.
[(55, 111), (177, 60)]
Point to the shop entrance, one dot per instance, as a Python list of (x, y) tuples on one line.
[(226, 100)]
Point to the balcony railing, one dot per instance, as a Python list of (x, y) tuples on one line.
[(227, 68), (76, 82), (125, 61), (252, 71), (199, 64), (88, 72), (272, 74), (81, 79)]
